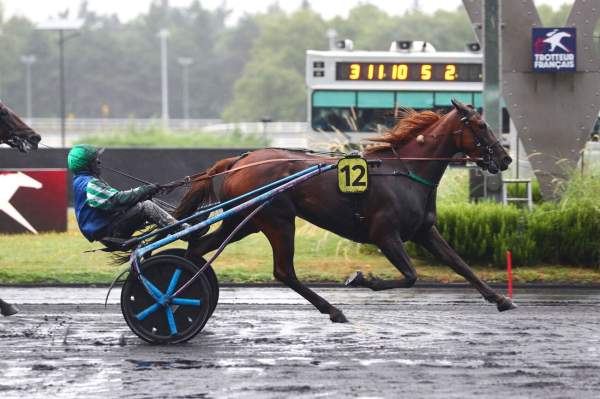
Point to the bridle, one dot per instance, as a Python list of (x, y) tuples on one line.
[(14, 138), (486, 148)]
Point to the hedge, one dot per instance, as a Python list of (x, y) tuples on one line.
[(565, 232), (551, 233)]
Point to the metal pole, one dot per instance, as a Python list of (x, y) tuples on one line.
[(61, 45), (491, 63), (186, 94), (28, 89), (331, 37), (164, 77), (185, 63), (491, 66), (517, 153), (28, 60)]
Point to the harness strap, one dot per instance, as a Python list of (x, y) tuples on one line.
[(421, 180), (187, 180), (410, 175), (204, 176)]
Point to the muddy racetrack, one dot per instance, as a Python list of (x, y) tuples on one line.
[(268, 343)]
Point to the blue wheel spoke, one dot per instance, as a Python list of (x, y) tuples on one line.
[(156, 293), (147, 312), (171, 320), (186, 301), (174, 280)]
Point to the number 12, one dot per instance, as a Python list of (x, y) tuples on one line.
[(358, 180)]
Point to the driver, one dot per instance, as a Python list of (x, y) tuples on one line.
[(103, 211)]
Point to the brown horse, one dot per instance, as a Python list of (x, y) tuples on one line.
[(15, 133), (399, 205)]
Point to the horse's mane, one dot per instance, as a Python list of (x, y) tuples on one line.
[(411, 124)]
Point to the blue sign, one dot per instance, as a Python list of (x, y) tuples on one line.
[(553, 49)]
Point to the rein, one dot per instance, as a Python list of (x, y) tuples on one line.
[(465, 119), (204, 176)]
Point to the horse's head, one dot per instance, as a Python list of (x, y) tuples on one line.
[(15, 132), (475, 138)]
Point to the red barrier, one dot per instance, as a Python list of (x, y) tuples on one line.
[(509, 275), (33, 200)]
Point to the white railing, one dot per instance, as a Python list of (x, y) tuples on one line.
[(280, 134), (259, 127), (97, 125)]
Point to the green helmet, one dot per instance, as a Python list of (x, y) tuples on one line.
[(81, 156)]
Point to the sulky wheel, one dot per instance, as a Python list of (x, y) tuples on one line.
[(209, 272), (160, 318)]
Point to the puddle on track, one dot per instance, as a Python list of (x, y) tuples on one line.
[(267, 343)]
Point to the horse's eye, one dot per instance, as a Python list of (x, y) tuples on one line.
[(482, 125)]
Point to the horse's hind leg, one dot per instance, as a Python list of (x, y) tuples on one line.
[(6, 309), (393, 248), (280, 233), (433, 241)]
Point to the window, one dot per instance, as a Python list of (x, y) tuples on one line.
[(324, 98), (443, 98), (414, 99), (333, 110), (371, 111), (376, 99)]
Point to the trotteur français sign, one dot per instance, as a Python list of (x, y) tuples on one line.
[(554, 49)]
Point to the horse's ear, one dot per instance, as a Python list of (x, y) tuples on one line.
[(460, 107), (457, 104)]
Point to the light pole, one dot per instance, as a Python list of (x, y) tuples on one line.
[(1, 34), (164, 78), (265, 121), (28, 60), (331, 37), (61, 26), (185, 63)]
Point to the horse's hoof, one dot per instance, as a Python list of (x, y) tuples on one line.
[(337, 316), (506, 304), (356, 279), (9, 310)]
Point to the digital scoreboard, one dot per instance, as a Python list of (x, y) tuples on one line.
[(362, 91), (408, 71)]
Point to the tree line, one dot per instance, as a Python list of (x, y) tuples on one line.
[(245, 71)]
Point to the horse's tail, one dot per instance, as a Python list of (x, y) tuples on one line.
[(202, 192)]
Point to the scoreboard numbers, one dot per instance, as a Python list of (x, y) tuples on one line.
[(450, 73), (354, 72), (426, 72), (412, 72)]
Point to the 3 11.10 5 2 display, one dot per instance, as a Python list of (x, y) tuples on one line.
[(434, 72)]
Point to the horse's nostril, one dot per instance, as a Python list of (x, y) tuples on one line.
[(507, 160)]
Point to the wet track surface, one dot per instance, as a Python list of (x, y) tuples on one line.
[(267, 343)]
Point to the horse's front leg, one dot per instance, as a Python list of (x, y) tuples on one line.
[(393, 248), (433, 241)]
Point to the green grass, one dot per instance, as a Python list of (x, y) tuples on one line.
[(154, 137), (320, 256), (454, 186)]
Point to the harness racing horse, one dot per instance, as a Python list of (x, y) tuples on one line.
[(399, 205), (15, 133)]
